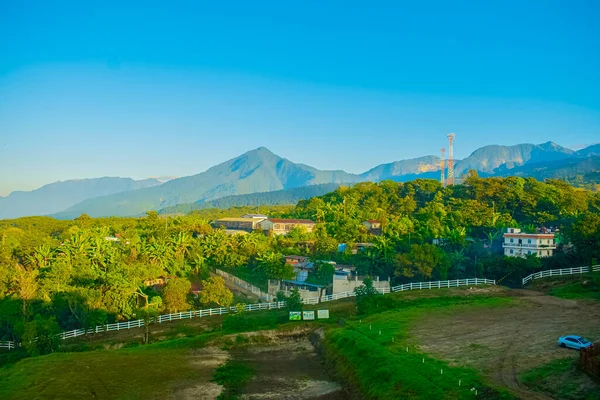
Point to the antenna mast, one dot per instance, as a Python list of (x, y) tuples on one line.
[(450, 180), (443, 177)]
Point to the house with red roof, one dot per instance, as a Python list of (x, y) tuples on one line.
[(278, 226)]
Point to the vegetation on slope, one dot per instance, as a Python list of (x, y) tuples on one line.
[(133, 373), (563, 379), (371, 354), (255, 201), (67, 272), (585, 286)]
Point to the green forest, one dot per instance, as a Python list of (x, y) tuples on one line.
[(66, 274)]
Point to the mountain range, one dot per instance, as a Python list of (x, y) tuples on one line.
[(261, 171), (58, 196)]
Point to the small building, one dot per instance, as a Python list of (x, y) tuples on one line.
[(262, 217), (345, 279), (301, 265), (356, 247), (279, 226), (520, 244), (307, 290), (154, 282), (373, 226), (240, 224)]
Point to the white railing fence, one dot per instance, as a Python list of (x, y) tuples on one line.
[(560, 272), (258, 307), (7, 345)]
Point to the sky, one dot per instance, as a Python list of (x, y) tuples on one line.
[(140, 89)]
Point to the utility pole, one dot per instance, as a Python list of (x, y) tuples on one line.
[(450, 181)]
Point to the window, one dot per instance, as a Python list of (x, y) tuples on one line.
[(572, 340), (529, 241), (529, 252), (511, 251), (512, 240)]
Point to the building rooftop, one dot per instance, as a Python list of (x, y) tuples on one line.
[(255, 216), (295, 282), (231, 219), (299, 258), (291, 221)]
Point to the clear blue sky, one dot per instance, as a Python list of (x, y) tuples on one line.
[(170, 88)]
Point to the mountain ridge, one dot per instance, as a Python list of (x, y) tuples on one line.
[(55, 197), (260, 170)]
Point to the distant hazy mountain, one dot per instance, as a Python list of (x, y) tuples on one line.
[(593, 150), (255, 171), (58, 196), (488, 158), (401, 168), (561, 169), (277, 197), (260, 171)]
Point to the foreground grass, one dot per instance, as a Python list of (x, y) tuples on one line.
[(153, 371), (145, 372), (372, 355), (584, 286), (562, 379)]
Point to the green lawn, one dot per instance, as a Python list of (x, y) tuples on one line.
[(584, 286), (371, 354), (144, 372), (563, 379)]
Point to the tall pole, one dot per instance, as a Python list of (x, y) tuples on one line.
[(450, 180), (443, 176)]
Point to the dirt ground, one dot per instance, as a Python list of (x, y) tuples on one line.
[(288, 370), (205, 362), (285, 366), (504, 342)]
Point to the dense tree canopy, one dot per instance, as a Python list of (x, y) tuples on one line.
[(91, 271)]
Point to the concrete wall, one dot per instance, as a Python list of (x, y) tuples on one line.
[(343, 284)]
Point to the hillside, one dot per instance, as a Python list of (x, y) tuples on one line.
[(261, 171), (568, 169), (488, 158), (277, 197), (58, 196), (258, 170), (402, 168)]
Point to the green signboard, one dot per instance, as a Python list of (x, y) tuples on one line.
[(295, 315)]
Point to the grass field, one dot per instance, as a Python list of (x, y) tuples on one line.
[(453, 336), (372, 354), (584, 286), (149, 372)]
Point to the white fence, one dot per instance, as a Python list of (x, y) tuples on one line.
[(258, 307), (245, 285), (7, 345), (561, 272)]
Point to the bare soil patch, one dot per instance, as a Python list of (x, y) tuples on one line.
[(205, 362), (504, 342), (287, 370)]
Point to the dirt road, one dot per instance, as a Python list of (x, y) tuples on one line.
[(506, 341)]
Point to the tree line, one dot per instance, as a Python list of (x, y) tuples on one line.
[(61, 275)]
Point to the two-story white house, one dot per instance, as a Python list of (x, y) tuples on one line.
[(520, 244)]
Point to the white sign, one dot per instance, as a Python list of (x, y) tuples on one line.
[(321, 314), (308, 315)]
